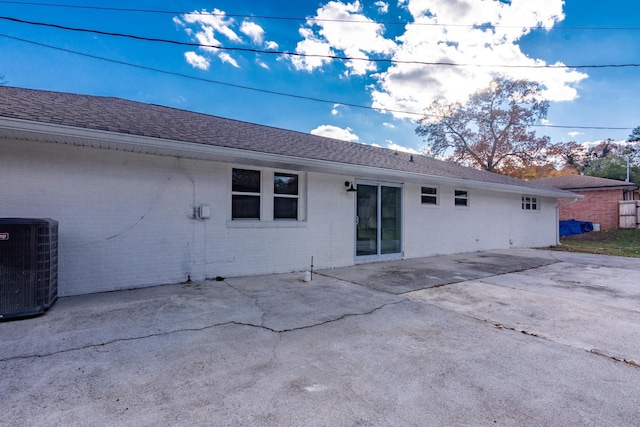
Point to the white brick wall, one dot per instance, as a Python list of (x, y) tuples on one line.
[(491, 221), (126, 219)]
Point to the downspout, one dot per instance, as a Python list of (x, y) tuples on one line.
[(192, 217), (557, 224)]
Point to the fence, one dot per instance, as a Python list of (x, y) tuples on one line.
[(629, 213)]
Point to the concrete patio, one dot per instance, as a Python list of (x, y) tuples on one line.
[(520, 337)]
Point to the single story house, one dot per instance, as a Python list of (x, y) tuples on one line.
[(600, 203), (147, 195)]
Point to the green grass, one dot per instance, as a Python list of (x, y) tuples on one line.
[(607, 242)]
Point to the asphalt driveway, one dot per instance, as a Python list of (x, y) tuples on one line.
[(523, 337)]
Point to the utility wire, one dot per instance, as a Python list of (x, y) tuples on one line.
[(306, 55), (284, 18), (202, 79), (271, 92)]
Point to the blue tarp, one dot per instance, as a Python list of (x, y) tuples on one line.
[(572, 226)]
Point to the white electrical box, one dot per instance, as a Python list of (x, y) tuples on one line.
[(204, 212)]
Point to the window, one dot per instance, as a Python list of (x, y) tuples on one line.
[(530, 203), (429, 195), (461, 198), (245, 194), (285, 192), (265, 196)]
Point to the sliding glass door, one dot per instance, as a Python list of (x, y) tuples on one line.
[(378, 220)]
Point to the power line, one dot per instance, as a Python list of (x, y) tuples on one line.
[(582, 127), (284, 18), (187, 76), (271, 92), (307, 55)]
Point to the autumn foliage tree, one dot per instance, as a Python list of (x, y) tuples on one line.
[(609, 159), (492, 130)]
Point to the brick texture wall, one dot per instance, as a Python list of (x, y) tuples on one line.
[(597, 206), (126, 220)]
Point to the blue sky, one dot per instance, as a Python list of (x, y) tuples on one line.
[(473, 32)]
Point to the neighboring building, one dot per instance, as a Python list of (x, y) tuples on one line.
[(601, 198), (147, 195)]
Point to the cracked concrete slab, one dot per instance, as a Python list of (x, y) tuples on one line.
[(287, 303), (398, 277), (275, 302), (588, 325), (272, 350)]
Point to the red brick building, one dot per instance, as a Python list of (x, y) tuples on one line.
[(601, 197)]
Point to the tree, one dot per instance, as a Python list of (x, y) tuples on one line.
[(635, 135), (491, 131), (531, 172), (609, 160)]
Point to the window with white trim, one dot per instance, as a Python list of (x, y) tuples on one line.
[(264, 196), (285, 196), (245, 194), (429, 195), (530, 203), (461, 198)]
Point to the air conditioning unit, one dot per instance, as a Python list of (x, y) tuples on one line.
[(28, 266)]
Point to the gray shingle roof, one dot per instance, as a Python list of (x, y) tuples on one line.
[(584, 182), (134, 118)]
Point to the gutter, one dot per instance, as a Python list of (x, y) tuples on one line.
[(630, 187), (61, 134)]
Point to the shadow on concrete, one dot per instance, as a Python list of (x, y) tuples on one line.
[(399, 277)]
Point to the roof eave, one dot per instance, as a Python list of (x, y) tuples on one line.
[(617, 187), (100, 139)]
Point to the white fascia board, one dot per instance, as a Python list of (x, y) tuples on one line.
[(150, 145)]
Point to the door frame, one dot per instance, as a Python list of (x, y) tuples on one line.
[(379, 255)]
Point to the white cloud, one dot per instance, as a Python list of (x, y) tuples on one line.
[(207, 39), (382, 7), (354, 40), (214, 29), (574, 134), (197, 61), (389, 125), (215, 21), (499, 27), (253, 30), (334, 110), (335, 132), (411, 87), (396, 147), (225, 57), (311, 45)]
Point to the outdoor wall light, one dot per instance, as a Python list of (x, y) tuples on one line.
[(349, 186)]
